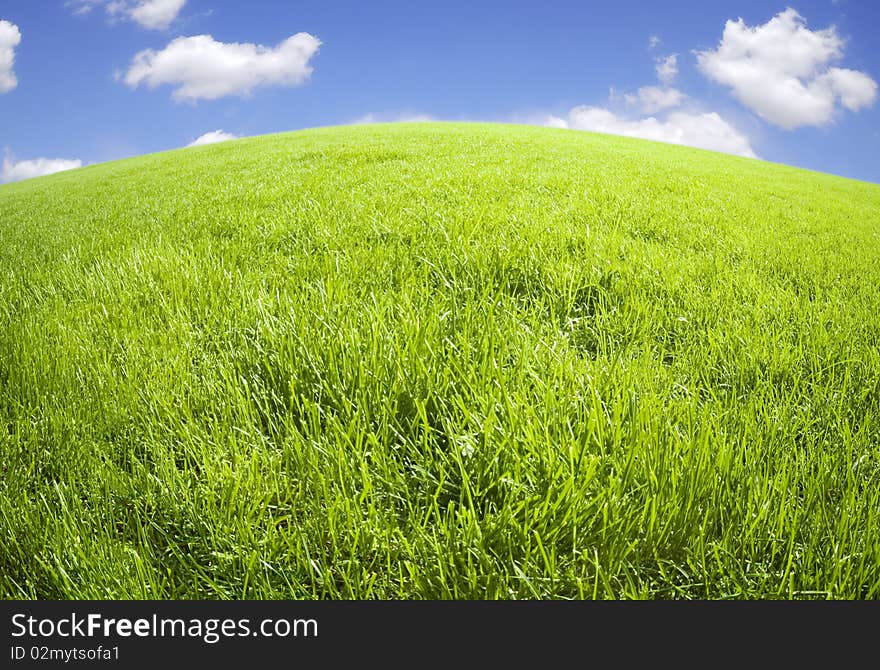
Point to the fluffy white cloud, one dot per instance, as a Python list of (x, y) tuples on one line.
[(653, 42), (703, 130), (10, 37), (16, 171), (706, 131), (653, 99), (667, 68), (854, 89), (152, 14), (212, 138), (780, 70), (551, 121), (156, 14), (201, 68)]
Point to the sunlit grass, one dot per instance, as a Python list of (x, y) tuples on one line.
[(439, 361)]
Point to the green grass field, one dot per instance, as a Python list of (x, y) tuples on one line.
[(439, 361)]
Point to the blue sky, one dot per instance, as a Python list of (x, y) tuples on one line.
[(84, 81)]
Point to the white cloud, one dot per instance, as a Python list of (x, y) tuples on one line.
[(392, 118), (10, 37), (653, 42), (650, 99), (706, 131), (83, 6), (16, 171), (667, 68), (152, 14), (552, 121), (780, 71), (212, 138), (156, 14), (855, 89), (653, 99), (201, 68)]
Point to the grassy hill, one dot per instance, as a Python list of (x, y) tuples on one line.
[(444, 361)]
